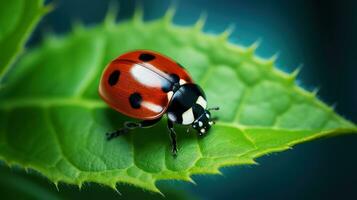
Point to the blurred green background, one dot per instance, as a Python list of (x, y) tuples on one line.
[(321, 36)]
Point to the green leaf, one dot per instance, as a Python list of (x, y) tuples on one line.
[(17, 20), (18, 184), (53, 121)]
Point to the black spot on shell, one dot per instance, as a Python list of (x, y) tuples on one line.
[(114, 77), (145, 57), (135, 100)]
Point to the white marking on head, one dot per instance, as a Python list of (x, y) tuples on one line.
[(201, 101), (203, 130), (171, 116), (187, 117), (182, 81), (169, 95), (151, 106), (210, 123), (207, 115), (200, 124)]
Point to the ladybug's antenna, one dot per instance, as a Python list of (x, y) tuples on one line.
[(214, 119), (213, 108)]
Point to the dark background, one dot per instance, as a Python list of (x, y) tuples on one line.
[(321, 36)]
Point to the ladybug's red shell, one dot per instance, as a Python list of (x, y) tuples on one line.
[(137, 83)]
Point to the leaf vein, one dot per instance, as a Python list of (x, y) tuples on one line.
[(92, 74), (49, 119)]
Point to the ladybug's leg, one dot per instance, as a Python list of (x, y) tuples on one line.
[(130, 126), (117, 133), (170, 125)]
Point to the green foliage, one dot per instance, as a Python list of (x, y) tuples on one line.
[(17, 20), (16, 184), (53, 121)]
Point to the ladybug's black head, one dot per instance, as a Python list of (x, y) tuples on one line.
[(203, 123)]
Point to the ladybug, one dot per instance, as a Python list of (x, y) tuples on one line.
[(145, 85)]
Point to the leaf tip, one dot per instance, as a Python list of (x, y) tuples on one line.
[(26, 169), (295, 73), (159, 192), (138, 14), (219, 172), (170, 14), (114, 187), (271, 61), (56, 185), (253, 162), (227, 32), (315, 91), (254, 46), (333, 107), (80, 185), (112, 13), (48, 8), (189, 179), (152, 187), (201, 21)]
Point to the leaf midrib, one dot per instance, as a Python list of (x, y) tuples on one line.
[(47, 102)]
